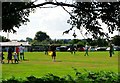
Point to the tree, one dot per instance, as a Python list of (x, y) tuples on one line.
[(102, 42), (29, 39), (21, 40), (87, 15), (81, 43), (84, 14), (4, 39), (116, 40), (14, 15), (59, 41), (41, 36)]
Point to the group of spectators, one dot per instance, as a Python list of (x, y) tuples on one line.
[(18, 51)]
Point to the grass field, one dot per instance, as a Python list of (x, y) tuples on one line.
[(39, 64)]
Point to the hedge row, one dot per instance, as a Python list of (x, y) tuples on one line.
[(87, 77)]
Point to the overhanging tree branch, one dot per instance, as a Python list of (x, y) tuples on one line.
[(15, 14), (42, 4)]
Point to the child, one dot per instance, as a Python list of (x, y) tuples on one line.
[(15, 57)]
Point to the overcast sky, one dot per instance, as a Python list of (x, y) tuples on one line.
[(53, 21)]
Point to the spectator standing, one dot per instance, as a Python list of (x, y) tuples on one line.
[(46, 50), (111, 50), (10, 55), (1, 57), (21, 50), (86, 50), (17, 51), (72, 49)]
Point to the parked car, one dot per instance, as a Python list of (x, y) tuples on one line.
[(116, 48), (108, 48), (101, 48), (81, 49), (93, 49), (61, 48), (36, 49)]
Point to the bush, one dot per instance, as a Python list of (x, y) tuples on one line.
[(87, 77)]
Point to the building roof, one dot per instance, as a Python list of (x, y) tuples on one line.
[(14, 43)]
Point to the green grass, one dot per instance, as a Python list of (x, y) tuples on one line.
[(39, 64)]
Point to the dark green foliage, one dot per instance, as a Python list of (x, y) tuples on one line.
[(98, 77), (4, 39), (87, 77), (102, 42), (12, 80), (50, 78), (14, 15), (41, 36), (29, 39), (116, 40), (86, 15), (33, 79)]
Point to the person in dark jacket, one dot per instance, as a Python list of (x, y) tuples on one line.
[(53, 49), (111, 50), (10, 55), (46, 50), (2, 57)]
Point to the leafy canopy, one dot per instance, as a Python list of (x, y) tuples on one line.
[(84, 15), (41, 36), (14, 15), (88, 14), (3, 39)]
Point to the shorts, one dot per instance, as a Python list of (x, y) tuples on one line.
[(54, 54)]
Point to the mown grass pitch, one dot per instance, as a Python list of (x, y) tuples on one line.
[(39, 64)]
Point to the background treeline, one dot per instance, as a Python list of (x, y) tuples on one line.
[(82, 42), (41, 38)]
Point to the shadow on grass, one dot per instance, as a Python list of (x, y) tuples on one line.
[(26, 60)]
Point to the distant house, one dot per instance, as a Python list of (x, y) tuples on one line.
[(13, 45)]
